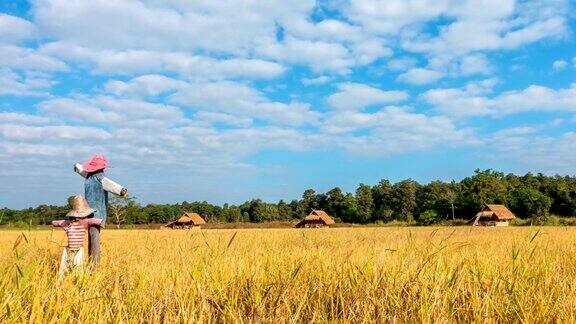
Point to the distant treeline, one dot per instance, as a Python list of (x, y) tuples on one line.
[(528, 196)]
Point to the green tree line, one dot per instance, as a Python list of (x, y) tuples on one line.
[(528, 196)]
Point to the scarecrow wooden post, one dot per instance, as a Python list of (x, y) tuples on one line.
[(96, 189)]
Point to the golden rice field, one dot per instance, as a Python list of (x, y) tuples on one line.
[(287, 275)]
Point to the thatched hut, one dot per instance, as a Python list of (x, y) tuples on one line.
[(317, 218), (188, 220), (493, 215)]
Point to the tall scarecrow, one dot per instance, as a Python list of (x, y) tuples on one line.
[(96, 189)]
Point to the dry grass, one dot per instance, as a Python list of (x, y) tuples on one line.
[(286, 275)]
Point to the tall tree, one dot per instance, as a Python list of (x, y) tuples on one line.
[(530, 203), (404, 198), (485, 187), (309, 201), (562, 190), (234, 214), (296, 209), (364, 203), (335, 202), (437, 196), (118, 208), (255, 211), (350, 209), (265, 212), (284, 211), (383, 201)]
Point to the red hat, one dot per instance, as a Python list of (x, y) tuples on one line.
[(96, 163)]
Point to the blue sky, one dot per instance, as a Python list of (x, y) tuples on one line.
[(228, 100)]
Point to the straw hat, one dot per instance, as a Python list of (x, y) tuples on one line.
[(96, 163), (80, 208)]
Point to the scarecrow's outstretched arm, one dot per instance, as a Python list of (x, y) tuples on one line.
[(59, 223), (78, 169), (114, 187), (93, 222)]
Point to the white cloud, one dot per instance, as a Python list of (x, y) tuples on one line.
[(402, 64), (475, 64), (320, 56), (269, 138), (144, 61), (492, 25), (329, 45), (26, 154), (145, 85), (227, 102), (485, 86), (462, 102), (350, 121), (553, 27), (228, 26), (15, 29), (559, 65), (465, 102), (390, 16), (325, 56), (545, 153), (395, 130), (208, 148), (34, 133), (16, 57), (224, 97), (112, 111), (14, 84), (369, 51), (446, 31), (228, 119), (233, 27), (316, 81), (78, 110), (514, 131), (420, 76), (330, 30), (457, 102), (162, 37), (353, 96), (21, 118), (242, 100), (536, 97)]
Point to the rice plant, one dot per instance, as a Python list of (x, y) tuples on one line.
[(296, 275)]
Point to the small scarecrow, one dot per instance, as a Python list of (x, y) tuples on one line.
[(75, 226), (96, 188)]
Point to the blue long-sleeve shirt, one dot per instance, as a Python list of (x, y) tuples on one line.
[(96, 196)]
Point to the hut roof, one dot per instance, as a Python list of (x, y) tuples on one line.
[(195, 218), (184, 219), (188, 218), (319, 215), (500, 211)]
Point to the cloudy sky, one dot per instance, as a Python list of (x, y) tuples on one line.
[(233, 99)]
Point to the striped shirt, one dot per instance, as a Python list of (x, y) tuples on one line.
[(76, 230)]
